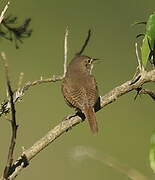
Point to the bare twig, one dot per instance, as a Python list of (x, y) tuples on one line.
[(62, 127), (85, 43), (65, 52), (4, 11), (13, 121), (149, 92), (19, 93), (81, 152), (131, 173), (140, 67), (138, 58)]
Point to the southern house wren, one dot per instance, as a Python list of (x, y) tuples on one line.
[(79, 88)]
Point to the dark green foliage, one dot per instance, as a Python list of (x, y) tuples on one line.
[(16, 33), (148, 45)]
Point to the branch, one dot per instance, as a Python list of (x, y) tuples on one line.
[(4, 11), (73, 120), (13, 121), (128, 86), (19, 93)]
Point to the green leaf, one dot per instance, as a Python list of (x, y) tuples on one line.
[(153, 138), (150, 29), (152, 152), (145, 51), (149, 39), (152, 158), (139, 22)]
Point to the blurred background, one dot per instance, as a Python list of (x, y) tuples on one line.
[(125, 126)]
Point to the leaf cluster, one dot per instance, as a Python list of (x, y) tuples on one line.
[(10, 30)]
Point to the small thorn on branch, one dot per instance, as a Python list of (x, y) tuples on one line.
[(138, 92)]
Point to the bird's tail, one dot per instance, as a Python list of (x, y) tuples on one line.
[(90, 115)]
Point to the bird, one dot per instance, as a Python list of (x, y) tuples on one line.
[(79, 88)]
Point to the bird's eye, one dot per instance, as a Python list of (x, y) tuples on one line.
[(89, 61)]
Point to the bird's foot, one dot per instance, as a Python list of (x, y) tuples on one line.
[(69, 117)]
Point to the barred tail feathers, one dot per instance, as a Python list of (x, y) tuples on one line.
[(90, 115)]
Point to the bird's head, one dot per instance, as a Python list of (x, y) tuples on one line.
[(84, 63)]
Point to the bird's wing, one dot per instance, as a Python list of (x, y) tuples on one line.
[(75, 96), (92, 92)]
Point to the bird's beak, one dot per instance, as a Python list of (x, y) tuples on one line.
[(94, 60)]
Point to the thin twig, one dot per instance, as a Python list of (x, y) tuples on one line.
[(65, 52), (85, 43), (13, 120), (149, 92), (138, 58), (140, 68), (81, 152), (4, 11), (63, 126), (19, 93)]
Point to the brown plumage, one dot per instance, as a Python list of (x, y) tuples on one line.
[(79, 88)]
